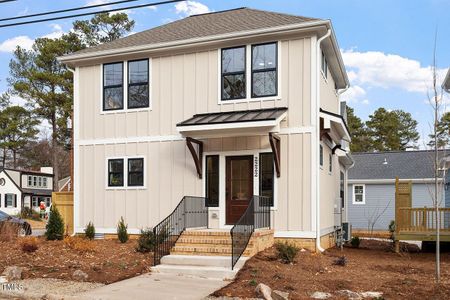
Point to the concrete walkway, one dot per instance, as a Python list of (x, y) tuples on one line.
[(156, 286)]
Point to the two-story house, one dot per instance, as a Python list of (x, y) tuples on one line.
[(21, 188), (227, 105)]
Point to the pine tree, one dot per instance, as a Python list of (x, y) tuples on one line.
[(122, 233), (55, 225), (358, 130)]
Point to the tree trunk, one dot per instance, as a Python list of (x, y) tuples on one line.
[(55, 164), (15, 159)]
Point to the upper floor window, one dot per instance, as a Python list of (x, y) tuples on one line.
[(30, 180), (138, 84), (321, 155), (44, 182), (330, 166), (324, 65), (113, 86), (233, 73), (264, 70)]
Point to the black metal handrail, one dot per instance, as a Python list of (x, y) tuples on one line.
[(191, 212), (257, 215)]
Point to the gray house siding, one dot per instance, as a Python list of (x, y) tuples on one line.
[(377, 197)]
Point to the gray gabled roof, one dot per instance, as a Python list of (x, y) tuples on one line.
[(389, 165), (198, 26), (446, 84)]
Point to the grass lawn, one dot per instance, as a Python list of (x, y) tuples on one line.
[(372, 267), (105, 261)]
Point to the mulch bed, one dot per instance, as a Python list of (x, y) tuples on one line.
[(372, 267), (105, 261)]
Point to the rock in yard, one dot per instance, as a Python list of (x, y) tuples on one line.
[(321, 295), (350, 294), (80, 275), (371, 295), (264, 291), (13, 273), (279, 295)]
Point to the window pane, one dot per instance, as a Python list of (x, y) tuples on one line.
[(264, 83), (233, 60), (212, 180), (116, 179), (115, 172), (113, 98), (112, 74), (264, 57), (136, 172), (138, 71), (358, 198), (233, 86), (266, 176), (138, 96)]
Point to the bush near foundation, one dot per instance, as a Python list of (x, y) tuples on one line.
[(55, 225), (287, 252), (89, 232), (122, 232)]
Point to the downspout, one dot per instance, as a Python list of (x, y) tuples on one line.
[(318, 59), (71, 178)]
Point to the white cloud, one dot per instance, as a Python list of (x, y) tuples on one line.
[(378, 69), (355, 94), (188, 8), (11, 44), (26, 42), (95, 2)]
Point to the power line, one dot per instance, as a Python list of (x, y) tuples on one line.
[(89, 13), (64, 10), (4, 1)]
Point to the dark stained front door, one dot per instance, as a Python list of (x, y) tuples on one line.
[(239, 187)]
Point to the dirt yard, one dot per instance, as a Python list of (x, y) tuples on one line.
[(372, 267), (105, 261)]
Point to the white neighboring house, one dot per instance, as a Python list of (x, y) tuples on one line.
[(20, 188)]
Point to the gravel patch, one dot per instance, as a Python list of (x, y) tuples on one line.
[(45, 288)]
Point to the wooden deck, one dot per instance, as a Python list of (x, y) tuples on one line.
[(419, 224)]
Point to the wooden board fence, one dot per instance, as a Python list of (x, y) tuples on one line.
[(64, 202)]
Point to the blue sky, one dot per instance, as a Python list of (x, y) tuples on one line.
[(387, 45)]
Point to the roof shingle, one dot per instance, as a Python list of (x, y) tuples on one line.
[(389, 165), (197, 26)]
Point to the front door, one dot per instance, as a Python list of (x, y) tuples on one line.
[(239, 186)]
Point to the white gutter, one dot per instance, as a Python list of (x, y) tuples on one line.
[(317, 137)]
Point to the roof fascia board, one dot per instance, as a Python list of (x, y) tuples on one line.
[(12, 180), (339, 121), (381, 181)]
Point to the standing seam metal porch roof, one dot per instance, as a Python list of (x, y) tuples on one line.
[(268, 114)]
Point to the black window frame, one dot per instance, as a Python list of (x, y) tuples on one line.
[(135, 172), (321, 155), (330, 163), (210, 202), (138, 84), (264, 70), (324, 66), (112, 86), (222, 74), (272, 200), (109, 172)]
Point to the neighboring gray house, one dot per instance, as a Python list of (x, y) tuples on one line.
[(371, 185)]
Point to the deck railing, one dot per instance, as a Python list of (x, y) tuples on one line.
[(257, 215), (191, 212), (422, 219)]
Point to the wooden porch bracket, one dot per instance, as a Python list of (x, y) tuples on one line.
[(198, 157), (275, 145), (333, 151)]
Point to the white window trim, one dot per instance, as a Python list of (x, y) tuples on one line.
[(6, 201), (125, 108), (248, 76), (325, 77), (364, 194), (125, 173)]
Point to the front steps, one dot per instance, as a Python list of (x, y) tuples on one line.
[(206, 253)]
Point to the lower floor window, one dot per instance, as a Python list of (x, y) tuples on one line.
[(359, 194), (266, 176), (10, 200), (134, 177), (36, 201), (212, 180)]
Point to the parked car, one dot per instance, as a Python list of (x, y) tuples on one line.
[(23, 227)]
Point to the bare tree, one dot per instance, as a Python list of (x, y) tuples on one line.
[(374, 215), (436, 101)]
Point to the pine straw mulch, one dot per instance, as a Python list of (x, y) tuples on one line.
[(372, 267), (105, 261)]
